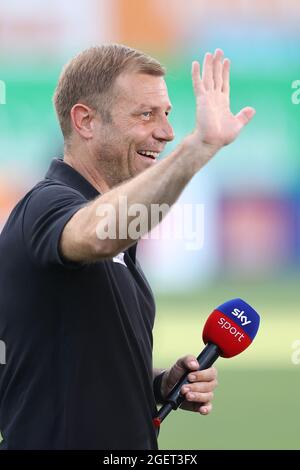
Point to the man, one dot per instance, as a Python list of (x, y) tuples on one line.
[(76, 312)]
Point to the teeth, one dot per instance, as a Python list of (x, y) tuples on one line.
[(148, 153)]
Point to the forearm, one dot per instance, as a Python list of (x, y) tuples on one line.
[(160, 184)]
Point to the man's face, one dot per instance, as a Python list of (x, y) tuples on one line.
[(139, 127)]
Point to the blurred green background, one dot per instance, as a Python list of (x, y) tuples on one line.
[(250, 191), (256, 404)]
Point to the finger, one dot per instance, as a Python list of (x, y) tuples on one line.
[(185, 405), (199, 387), (199, 397), (196, 76), (205, 409), (182, 365), (218, 69), (245, 116), (205, 375), (188, 362), (226, 76), (207, 71)]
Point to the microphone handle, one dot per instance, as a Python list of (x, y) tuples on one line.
[(206, 358)]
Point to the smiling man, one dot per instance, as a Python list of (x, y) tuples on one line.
[(130, 123), (76, 311)]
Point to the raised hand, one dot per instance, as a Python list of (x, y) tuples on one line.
[(216, 126)]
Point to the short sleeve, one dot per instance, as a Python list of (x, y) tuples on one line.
[(47, 211)]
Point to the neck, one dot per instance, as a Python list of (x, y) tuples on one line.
[(88, 171)]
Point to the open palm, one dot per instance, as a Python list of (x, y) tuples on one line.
[(215, 123)]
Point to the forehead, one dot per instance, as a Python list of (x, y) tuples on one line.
[(139, 88)]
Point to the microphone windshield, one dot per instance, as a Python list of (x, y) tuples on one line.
[(232, 327)]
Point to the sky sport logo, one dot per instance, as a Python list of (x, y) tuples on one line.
[(2, 92), (2, 353), (240, 315), (233, 330)]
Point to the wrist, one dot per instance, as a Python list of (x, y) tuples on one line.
[(197, 152)]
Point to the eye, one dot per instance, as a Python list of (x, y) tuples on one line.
[(147, 113), (167, 113)]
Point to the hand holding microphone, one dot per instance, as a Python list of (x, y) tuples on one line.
[(228, 331)]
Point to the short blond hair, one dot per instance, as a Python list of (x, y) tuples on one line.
[(89, 78)]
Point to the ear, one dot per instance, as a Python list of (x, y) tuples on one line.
[(83, 120)]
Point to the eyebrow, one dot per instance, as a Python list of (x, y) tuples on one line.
[(154, 108)]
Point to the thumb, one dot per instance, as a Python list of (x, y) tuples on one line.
[(245, 116), (184, 364)]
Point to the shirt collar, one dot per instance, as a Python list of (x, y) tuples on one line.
[(64, 173), (61, 171)]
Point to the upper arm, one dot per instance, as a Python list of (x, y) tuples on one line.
[(48, 211), (78, 242)]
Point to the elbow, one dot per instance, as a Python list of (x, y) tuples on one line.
[(100, 244), (106, 244), (104, 249)]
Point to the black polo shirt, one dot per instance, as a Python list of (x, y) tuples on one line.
[(78, 372)]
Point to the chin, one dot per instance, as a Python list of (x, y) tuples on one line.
[(144, 162)]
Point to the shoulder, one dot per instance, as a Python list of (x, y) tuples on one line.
[(52, 190)]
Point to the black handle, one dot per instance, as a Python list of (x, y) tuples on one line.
[(174, 399)]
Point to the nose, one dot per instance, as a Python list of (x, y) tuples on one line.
[(164, 131)]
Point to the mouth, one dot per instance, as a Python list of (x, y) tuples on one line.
[(148, 154)]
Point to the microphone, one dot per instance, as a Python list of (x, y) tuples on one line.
[(228, 331)]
